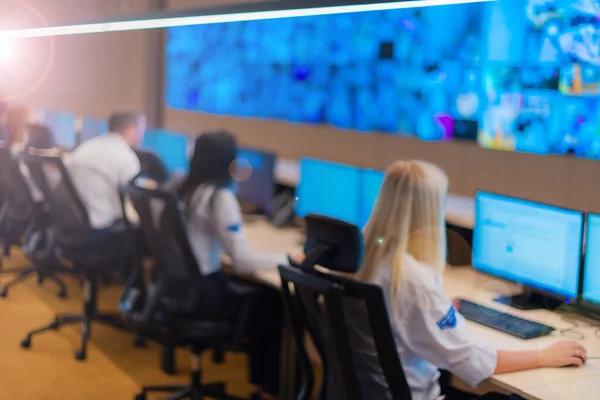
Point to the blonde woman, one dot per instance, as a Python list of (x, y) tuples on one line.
[(405, 253)]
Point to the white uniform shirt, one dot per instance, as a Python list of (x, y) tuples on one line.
[(429, 333), (97, 168), (217, 229)]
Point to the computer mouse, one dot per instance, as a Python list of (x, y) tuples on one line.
[(575, 365)]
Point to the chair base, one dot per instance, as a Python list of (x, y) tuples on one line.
[(23, 273), (86, 329), (195, 391)]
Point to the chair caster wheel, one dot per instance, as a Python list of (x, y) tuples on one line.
[(80, 356), (141, 396), (4, 293), (62, 295), (25, 343)]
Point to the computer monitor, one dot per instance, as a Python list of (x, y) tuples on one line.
[(590, 298), (257, 182), (92, 127), (536, 245), (370, 186), (171, 147), (62, 126), (329, 189)]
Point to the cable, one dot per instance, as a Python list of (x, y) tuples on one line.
[(572, 332)]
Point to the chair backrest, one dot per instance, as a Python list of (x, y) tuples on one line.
[(176, 288), (152, 166), (67, 211), (13, 185), (347, 320)]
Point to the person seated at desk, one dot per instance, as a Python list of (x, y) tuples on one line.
[(99, 166), (405, 255), (215, 227)]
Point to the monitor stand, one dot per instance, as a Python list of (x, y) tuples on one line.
[(530, 300)]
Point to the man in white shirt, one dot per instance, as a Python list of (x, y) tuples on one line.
[(99, 166)]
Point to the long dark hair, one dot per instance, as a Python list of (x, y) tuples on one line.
[(212, 162)]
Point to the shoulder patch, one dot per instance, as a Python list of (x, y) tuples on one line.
[(448, 321), (234, 227)]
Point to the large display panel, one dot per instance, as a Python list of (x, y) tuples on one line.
[(517, 75), (545, 99), (411, 71)]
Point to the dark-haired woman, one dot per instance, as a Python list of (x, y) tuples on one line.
[(215, 228)]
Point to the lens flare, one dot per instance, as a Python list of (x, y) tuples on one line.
[(7, 51), (240, 170)]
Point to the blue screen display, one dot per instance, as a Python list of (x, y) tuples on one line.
[(529, 243), (371, 184), (542, 95), (93, 127), (591, 281), (408, 71), (171, 147), (62, 126), (524, 74), (329, 189)]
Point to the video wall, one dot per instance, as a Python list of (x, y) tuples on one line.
[(520, 75)]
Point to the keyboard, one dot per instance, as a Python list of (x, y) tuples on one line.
[(518, 327)]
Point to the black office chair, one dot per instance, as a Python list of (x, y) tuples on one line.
[(152, 166), (25, 222), (325, 306), (75, 241), (167, 308)]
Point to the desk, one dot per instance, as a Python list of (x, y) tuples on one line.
[(460, 210), (541, 384)]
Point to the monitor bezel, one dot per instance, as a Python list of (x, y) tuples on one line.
[(587, 305), (527, 287)]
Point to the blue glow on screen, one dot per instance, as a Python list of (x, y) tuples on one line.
[(399, 71), (93, 127), (172, 148), (62, 126), (591, 281), (371, 185), (329, 189), (527, 72), (529, 243)]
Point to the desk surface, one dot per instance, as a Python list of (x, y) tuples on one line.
[(460, 210), (464, 282)]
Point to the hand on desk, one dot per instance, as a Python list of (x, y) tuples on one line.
[(563, 354)]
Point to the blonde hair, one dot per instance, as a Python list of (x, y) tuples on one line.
[(408, 218)]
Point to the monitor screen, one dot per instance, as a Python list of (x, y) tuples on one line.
[(171, 147), (256, 171), (371, 184), (591, 280), (62, 126), (92, 127), (533, 244), (329, 189)]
